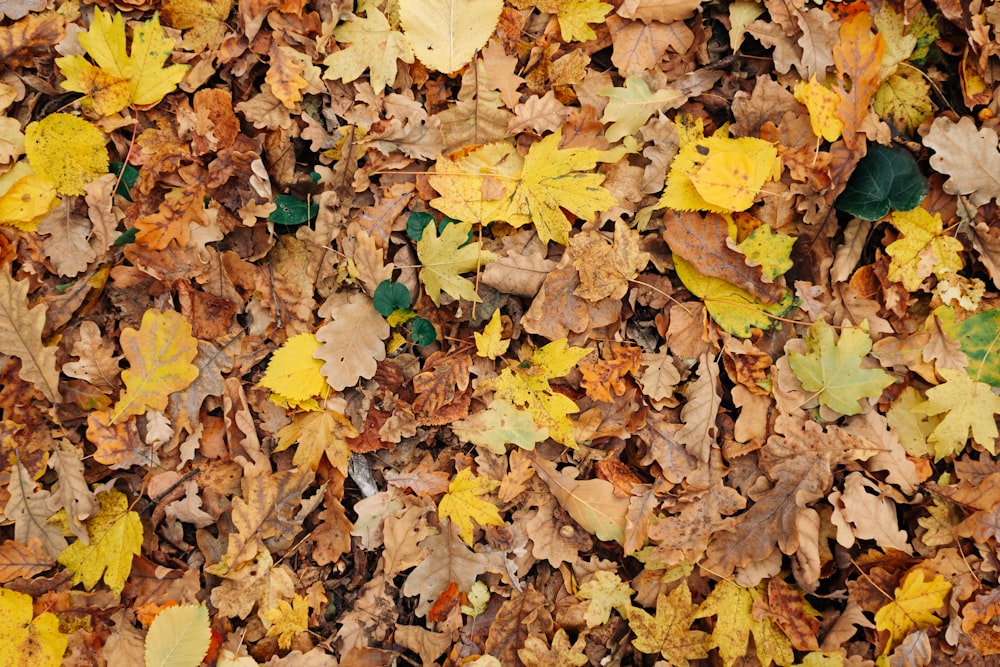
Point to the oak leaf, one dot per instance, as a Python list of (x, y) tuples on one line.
[(463, 504), (374, 46), (293, 373), (969, 156), (28, 508), (122, 78), (968, 407), (351, 342), (447, 560), (21, 336), (858, 59), (159, 356), (445, 257), (26, 639), (445, 34), (115, 537), (833, 369), (699, 431), (23, 560), (668, 633)]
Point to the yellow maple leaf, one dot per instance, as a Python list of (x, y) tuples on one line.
[(912, 607), (67, 150), (25, 197), (668, 633), (317, 433), (476, 186), (463, 505), (822, 105), (574, 15), (526, 387), (970, 407), (115, 537), (374, 46), (718, 173), (732, 605), (122, 78), (159, 356), (288, 620), (25, 640), (446, 256), (490, 343), (293, 374), (445, 34), (554, 179), (606, 591), (923, 250)]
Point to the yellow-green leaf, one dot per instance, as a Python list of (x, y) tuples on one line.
[(115, 537), (773, 252), (444, 257), (631, 106), (969, 408), (374, 46), (923, 250)]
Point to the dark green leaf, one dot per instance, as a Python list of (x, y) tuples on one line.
[(128, 179), (422, 331), (390, 296), (415, 224), (128, 236), (886, 178), (292, 211)]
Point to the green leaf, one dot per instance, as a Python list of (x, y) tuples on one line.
[(292, 211), (416, 223), (979, 338), (886, 178), (129, 175), (390, 296), (178, 637), (422, 331)]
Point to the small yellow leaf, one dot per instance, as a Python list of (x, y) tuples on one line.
[(25, 197), (822, 105), (288, 620), (115, 536), (178, 636), (574, 15), (969, 408), (606, 591), (293, 373), (463, 505), (923, 250), (668, 633), (25, 640), (374, 46), (490, 343), (66, 150)]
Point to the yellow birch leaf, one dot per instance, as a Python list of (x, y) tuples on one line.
[(159, 356), (445, 34), (923, 249), (25, 197), (115, 537), (969, 408), (121, 78), (490, 343), (374, 46), (26, 639), (178, 637), (293, 373), (552, 180), (288, 620), (822, 105), (66, 150), (913, 606), (446, 256), (463, 505)]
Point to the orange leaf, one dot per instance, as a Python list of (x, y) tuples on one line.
[(858, 58)]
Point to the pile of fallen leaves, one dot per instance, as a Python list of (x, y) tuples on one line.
[(499, 332)]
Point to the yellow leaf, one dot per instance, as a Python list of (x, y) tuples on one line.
[(923, 250), (444, 257), (25, 197), (463, 505), (66, 150), (477, 186), (293, 373), (773, 252), (25, 640), (536, 652), (904, 100), (606, 591), (574, 15), (374, 46), (526, 387), (115, 536), (178, 636), (490, 343), (732, 605), (668, 633), (445, 34), (552, 180), (822, 105), (317, 433), (159, 356), (912, 607), (122, 78), (718, 173), (970, 407), (288, 620)]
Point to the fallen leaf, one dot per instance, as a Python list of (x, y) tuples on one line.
[(445, 34), (115, 537), (26, 638), (668, 633), (463, 505)]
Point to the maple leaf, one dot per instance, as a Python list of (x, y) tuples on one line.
[(67, 150), (317, 433), (374, 46), (923, 250), (351, 342), (490, 344), (668, 633), (159, 356), (446, 256), (293, 373), (536, 652), (970, 407), (115, 537), (288, 620), (735, 622), (445, 34), (832, 368), (476, 186), (21, 336), (553, 179), (912, 608), (121, 78), (528, 388), (574, 15), (631, 106), (26, 639), (606, 591), (462, 504)]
